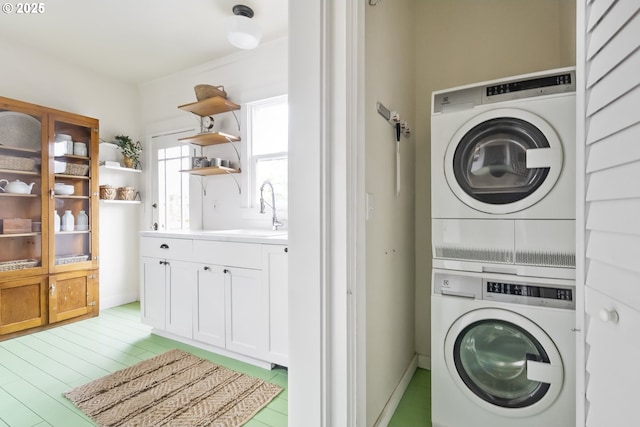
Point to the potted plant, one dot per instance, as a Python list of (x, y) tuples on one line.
[(130, 150)]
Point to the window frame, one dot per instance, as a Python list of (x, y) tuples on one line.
[(253, 187)]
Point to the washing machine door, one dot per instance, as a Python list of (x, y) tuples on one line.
[(503, 161), (504, 362)]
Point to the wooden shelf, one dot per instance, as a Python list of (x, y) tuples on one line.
[(7, 148), (212, 138), (8, 235), (61, 175), (18, 195), (120, 168), (15, 172), (210, 106), (70, 196), (220, 170)]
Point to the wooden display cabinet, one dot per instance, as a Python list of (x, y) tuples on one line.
[(46, 275)]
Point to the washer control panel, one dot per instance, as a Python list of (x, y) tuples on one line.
[(530, 294), (507, 288)]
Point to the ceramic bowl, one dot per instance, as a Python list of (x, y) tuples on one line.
[(63, 189)]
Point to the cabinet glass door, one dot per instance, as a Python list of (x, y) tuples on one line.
[(73, 192), (23, 190)]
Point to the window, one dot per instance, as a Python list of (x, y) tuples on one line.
[(268, 126), (171, 187)]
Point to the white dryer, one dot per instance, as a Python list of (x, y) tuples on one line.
[(503, 350), (503, 175)]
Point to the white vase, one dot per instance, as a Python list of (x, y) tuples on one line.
[(56, 221), (82, 221), (67, 221)]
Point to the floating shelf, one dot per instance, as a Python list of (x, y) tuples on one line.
[(210, 106), (124, 202), (213, 138), (120, 168), (211, 171)]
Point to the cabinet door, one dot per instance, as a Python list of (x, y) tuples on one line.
[(246, 312), (72, 294), (73, 189), (276, 280), (153, 292), (24, 190), (181, 282), (611, 336), (22, 304), (209, 319)]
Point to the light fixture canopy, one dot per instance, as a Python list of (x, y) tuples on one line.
[(242, 31)]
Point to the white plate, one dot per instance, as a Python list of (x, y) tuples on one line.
[(20, 130)]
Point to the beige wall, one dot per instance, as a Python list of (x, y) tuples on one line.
[(389, 77), (466, 41)]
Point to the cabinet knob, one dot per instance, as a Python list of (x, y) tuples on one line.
[(164, 246), (207, 268), (52, 288), (286, 250), (609, 315), (225, 271)]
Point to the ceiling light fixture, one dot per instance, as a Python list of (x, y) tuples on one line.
[(242, 32)]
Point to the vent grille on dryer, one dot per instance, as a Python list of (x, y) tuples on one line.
[(475, 254), (546, 259)]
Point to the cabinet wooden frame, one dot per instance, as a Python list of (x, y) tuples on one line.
[(56, 255)]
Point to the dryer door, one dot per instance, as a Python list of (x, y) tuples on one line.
[(504, 362), (503, 161)]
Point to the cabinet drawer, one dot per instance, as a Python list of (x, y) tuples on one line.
[(246, 255), (159, 247)]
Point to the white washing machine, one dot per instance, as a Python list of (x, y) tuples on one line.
[(503, 351), (503, 175)]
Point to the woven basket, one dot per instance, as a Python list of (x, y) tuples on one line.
[(18, 264), (17, 163), (76, 169), (126, 193), (207, 91), (107, 192)]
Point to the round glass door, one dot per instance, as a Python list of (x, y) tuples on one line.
[(490, 162), (503, 161), (491, 358)]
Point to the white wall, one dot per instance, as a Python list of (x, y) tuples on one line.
[(247, 76), (390, 230), (36, 77), (466, 41)]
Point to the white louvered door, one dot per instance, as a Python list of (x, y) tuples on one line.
[(608, 142)]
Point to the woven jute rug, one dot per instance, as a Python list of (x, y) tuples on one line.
[(173, 389)]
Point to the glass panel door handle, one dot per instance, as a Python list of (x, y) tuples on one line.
[(544, 372), (544, 158)]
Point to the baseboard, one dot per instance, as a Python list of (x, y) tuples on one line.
[(388, 410), (424, 362), (116, 300)]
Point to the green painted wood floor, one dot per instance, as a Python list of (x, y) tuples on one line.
[(36, 369)]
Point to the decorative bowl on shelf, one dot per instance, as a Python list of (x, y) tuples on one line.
[(63, 189)]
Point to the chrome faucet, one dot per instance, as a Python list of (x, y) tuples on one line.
[(274, 220)]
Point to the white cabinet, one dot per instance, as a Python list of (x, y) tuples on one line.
[(210, 318), (276, 280), (181, 280), (228, 295), (246, 312), (152, 293)]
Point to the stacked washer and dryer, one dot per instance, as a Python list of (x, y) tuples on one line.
[(503, 232)]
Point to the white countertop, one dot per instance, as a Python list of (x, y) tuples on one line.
[(279, 237)]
